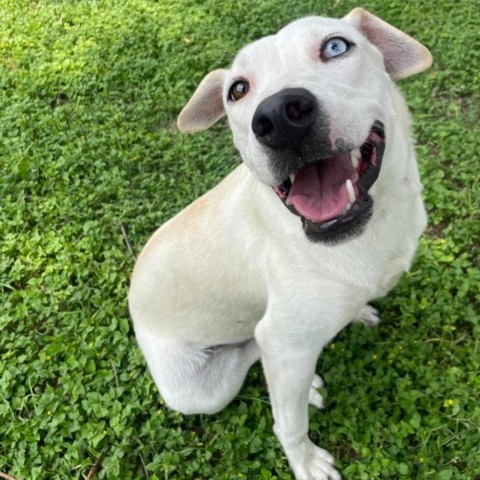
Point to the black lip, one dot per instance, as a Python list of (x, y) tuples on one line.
[(351, 223), (371, 175)]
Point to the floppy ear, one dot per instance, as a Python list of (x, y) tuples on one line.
[(206, 105), (403, 56)]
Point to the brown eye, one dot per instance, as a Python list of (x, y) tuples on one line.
[(238, 90)]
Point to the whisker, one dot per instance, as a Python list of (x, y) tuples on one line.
[(226, 58), (226, 167)]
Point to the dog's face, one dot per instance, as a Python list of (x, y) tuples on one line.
[(307, 109), (310, 109)]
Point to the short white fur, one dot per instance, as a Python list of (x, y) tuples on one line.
[(233, 279)]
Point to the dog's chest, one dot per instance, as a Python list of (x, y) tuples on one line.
[(368, 267)]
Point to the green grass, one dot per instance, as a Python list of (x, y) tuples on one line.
[(89, 92)]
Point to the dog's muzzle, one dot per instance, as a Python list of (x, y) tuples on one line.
[(327, 189)]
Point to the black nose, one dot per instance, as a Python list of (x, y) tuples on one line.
[(285, 118)]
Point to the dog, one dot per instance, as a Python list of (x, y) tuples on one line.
[(322, 217)]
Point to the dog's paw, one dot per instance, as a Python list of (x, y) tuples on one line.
[(369, 316), (314, 397), (318, 464)]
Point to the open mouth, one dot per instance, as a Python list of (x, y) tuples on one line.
[(331, 195)]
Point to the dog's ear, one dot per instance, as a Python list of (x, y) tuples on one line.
[(206, 105), (403, 56)]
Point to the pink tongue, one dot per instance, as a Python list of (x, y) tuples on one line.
[(319, 192)]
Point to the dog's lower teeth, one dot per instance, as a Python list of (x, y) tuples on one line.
[(351, 191)]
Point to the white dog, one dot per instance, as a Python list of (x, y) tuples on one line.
[(323, 216)]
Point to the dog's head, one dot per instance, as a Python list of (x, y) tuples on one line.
[(310, 109)]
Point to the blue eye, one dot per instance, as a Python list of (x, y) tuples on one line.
[(334, 47)]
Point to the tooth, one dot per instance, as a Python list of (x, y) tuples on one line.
[(292, 177), (355, 156), (351, 191), (348, 207)]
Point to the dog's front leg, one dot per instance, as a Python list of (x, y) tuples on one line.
[(289, 363)]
